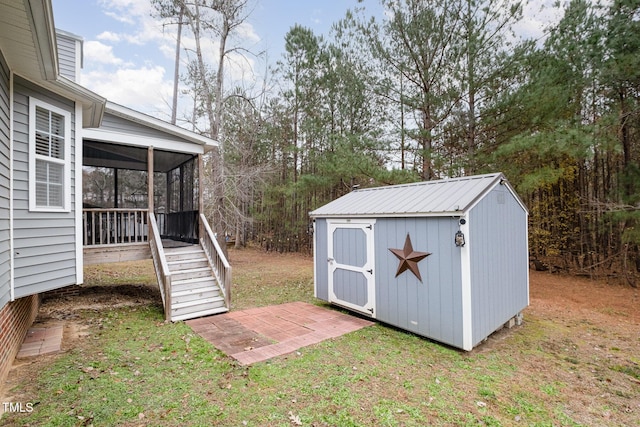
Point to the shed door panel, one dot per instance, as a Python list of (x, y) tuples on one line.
[(351, 259)]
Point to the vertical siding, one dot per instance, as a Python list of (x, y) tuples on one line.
[(499, 268), (432, 308), (44, 247), (67, 59), (5, 247), (320, 253)]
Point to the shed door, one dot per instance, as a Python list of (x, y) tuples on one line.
[(351, 265)]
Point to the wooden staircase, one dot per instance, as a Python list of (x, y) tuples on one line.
[(194, 289), (194, 280)]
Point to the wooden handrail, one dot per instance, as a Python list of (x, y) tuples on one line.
[(221, 267), (162, 268)]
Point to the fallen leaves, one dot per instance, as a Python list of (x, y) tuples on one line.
[(295, 419)]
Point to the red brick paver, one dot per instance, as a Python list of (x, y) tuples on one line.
[(41, 340), (258, 334)]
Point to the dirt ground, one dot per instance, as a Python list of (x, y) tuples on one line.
[(584, 322)]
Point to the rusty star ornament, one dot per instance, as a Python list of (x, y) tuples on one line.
[(409, 258)]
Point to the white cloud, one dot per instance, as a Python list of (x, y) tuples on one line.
[(127, 11), (247, 33), (144, 89), (129, 63), (538, 17), (108, 36), (98, 52)]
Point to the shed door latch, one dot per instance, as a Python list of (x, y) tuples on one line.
[(370, 271), (370, 309)]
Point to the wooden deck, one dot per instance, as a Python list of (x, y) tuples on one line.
[(103, 254)]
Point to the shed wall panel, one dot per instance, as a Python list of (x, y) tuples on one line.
[(499, 266), (5, 245), (432, 308), (321, 268), (42, 240)]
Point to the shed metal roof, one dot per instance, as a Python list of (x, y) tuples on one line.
[(428, 198)]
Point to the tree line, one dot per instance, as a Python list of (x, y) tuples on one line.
[(430, 90)]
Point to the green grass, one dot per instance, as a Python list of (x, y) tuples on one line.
[(134, 369)]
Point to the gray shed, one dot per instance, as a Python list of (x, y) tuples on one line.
[(444, 259)]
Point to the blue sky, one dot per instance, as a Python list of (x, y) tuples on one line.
[(128, 56)]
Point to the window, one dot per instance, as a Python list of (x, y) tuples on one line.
[(49, 157)]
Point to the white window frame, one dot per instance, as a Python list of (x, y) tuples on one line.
[(33, 157)]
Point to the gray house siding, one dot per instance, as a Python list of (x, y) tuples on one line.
[(5, 247), (67, 55), (432, 308), (498, 239), (114, 123), (44, 242)]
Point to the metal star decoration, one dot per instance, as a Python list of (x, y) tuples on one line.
[(409, 258)]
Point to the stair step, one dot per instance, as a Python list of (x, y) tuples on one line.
[(188, 264), (206, 289), (180, 256), (212, 301), (193, 286), (202, 313), (195, 282), (192, 273), (194, 289), (194, 295)]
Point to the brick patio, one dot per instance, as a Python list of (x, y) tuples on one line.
[(258, 334), (41, 340)]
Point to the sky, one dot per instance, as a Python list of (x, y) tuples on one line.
[(128, 55)]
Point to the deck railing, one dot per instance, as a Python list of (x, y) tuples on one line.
[(115, 226), (161, 267), (221, 266)]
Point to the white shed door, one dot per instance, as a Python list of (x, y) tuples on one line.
[(351, 265)]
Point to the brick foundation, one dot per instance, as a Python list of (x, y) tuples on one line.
[(67, 291), (15, 319)]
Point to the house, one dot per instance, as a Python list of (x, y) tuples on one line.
[(50, 128), (444, 259)]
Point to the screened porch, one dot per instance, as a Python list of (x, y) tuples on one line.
[(122, 185)]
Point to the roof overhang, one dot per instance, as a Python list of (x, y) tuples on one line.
[(28, 43), (93, 105), (28, 39), (122, 138), (154, 123), (110, 155)]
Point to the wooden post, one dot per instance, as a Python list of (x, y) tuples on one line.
[(150, 179), (201, 229)]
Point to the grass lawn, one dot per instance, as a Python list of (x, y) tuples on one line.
[(130, 368)]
